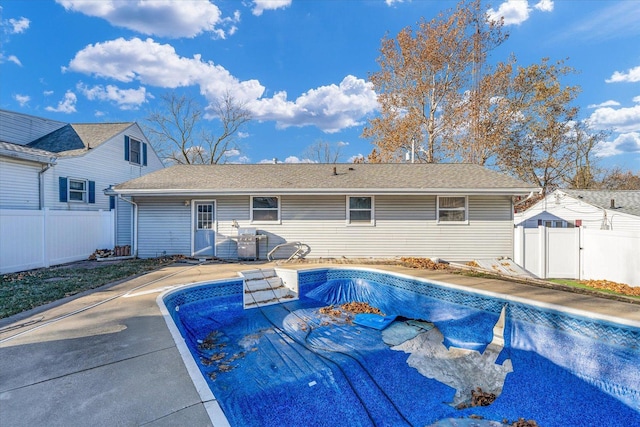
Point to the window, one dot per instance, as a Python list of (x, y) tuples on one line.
[(135, 151), (205, 216), (360, 210), (265, 209), (452, 209), (77, 190)]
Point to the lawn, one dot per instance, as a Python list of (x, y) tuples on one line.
[(26, 290)]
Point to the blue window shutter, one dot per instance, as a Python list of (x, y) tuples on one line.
[(126, 148), (62, 181), (92, 191), (112, 202), (144, 154)]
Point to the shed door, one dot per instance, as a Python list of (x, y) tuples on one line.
[(204, 229)]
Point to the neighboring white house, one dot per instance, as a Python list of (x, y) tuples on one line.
[(58, 166), (599, 209), (453, 211), (75, 162)]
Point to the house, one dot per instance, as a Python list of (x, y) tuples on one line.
[(55, 166), (72, 160), (597, 209), (453, 211)]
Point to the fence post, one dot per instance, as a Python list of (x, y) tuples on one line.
[(45, 240), (518, 250), (543, 251)]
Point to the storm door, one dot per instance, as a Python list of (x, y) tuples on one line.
[(204, 229)]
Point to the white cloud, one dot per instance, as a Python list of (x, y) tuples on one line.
[(126, 99), (47, 92), (514, 12), (624, 143), (159, 65), (544, 5), (22, 99), (14, 59), (66, 105), (392, 2), (609, 103), (636, 99), (17, 26), (262, 5), (631, 76), (290, 159), (167, 18), (330, 108), (620, 120)]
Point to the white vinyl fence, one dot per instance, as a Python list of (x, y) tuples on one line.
[(579, 253), (42, 238)]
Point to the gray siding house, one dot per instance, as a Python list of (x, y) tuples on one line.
[(456, 212)]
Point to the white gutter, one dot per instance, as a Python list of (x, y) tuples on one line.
[(323, 191), (47, 166)]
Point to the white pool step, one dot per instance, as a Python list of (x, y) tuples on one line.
[(265, 287)]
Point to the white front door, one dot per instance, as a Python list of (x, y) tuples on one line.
[(204, 237)]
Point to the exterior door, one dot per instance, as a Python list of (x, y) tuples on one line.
[(204, 229)]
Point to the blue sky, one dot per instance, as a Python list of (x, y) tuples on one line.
[(301, 66)]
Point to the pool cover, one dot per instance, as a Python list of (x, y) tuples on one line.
[(294, 364)]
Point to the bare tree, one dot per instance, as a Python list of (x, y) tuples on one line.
[(324, 152), (618, 179), (180, 135), (422, 75)]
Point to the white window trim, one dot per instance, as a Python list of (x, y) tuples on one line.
[(278, 221), (372, 223), (131, 141), (466, 211), (85, 192)]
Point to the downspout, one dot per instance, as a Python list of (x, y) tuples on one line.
[(41, 183), (134, 252)]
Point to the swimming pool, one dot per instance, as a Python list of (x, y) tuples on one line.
[(294, 364)]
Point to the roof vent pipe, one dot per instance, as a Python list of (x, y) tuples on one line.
[(613, 203), (335, 170)]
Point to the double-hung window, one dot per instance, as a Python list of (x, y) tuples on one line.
[(265, 209), (360, 210), (135, 151), (77, 190), (452, 209)]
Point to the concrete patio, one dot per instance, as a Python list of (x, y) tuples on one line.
[(106, 357)]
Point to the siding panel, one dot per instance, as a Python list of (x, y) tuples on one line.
[(404, 226), (19, 185), (164, 228)]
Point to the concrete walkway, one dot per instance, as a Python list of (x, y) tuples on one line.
[(106, 358)]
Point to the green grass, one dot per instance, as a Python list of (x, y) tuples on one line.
[(23, 291)]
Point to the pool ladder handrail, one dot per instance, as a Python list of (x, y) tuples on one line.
[(301, 249)]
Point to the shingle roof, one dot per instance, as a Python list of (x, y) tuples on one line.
[(320, 179), (625, 201), (23, 152), (73, 137)]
